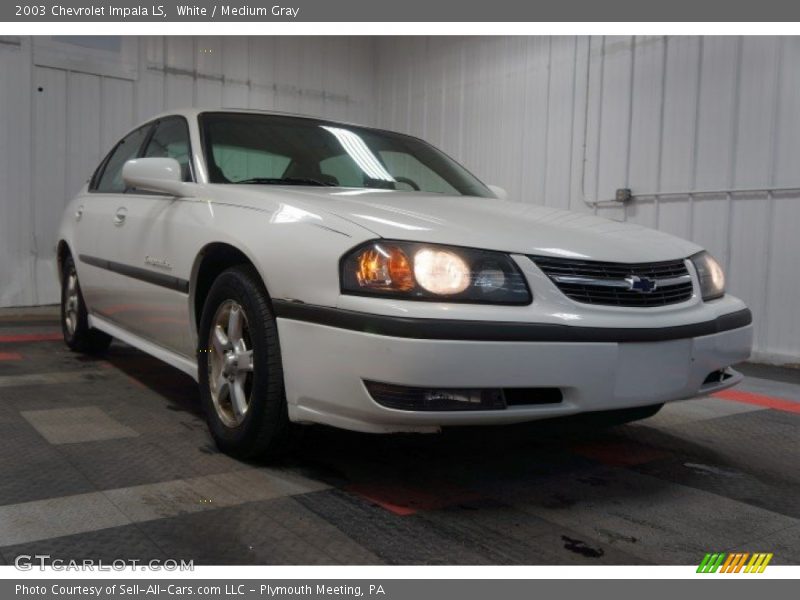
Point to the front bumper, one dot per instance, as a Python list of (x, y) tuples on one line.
[(326, 363)]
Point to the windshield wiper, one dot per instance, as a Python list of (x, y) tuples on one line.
[(285, 181)]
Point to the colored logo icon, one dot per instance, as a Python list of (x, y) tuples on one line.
[(737, 562)]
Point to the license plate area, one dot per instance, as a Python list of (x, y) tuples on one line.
[(652, 369)]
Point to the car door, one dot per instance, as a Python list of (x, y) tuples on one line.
[(151, 264), (96, 215)]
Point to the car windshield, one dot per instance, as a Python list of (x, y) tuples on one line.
[(245, 148)]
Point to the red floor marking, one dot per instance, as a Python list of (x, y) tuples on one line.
[(137, 383), (759, 400), (404, 501), (619, 454), (122, 308), (10, 356), (31, 337)]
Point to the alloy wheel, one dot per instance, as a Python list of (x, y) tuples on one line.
[(230, 363), (71, 303)]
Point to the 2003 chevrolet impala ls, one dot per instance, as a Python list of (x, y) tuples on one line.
[(307, 271)]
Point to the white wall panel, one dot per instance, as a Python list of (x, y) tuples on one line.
[(117, 114), (54, 138), (235, 65), (561, 103), (83, 111), (672, 215), (16, 215), (751, 226), (149, 88), (787, 140), (717, 112), (235, 70), (533, 121), (49, 176), (756, 118), (179, 52), (647, 92), (261, 70), (780, 327), (566, 121), (179, 90), (210, 92), (680, 115), (614, 115)]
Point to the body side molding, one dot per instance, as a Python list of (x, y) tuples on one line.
[(146, 275)]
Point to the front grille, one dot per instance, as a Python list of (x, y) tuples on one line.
[(593, 282)]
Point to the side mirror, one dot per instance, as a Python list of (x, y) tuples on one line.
[(499, 193), (161, 175)]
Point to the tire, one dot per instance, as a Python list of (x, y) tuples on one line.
[(78, 336), (240, 370)]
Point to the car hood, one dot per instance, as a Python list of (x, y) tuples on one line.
[(490, 224)]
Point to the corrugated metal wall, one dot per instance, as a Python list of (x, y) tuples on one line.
[(561, 121), (57, 123), (565, 121)]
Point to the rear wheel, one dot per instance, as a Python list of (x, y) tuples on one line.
[(239, 368), (74, 318)]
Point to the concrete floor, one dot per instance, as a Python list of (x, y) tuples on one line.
[(109, 458)]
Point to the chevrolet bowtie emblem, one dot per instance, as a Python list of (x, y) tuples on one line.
[(643, 285)]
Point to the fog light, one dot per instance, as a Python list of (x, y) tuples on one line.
[(430, 399)]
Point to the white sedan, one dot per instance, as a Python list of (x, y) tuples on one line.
[(306, 271)]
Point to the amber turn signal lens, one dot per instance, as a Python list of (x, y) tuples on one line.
[(385, 267)]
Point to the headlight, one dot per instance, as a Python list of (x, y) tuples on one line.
[(441, 272), (417, 271), (710, 274)]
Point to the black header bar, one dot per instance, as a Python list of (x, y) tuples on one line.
[(400, 11)]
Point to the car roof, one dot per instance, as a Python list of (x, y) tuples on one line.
[(192, 113)]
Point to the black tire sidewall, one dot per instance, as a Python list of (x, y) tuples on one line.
[(82, 326), (266, 419)]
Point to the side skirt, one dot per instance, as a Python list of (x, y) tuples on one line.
[(173, 359)]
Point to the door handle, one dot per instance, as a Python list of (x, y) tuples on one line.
[(119, 216), (79, 213)]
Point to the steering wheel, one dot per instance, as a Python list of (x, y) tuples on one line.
[(407, 181)]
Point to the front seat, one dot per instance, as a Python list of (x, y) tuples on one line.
[(215, 174), (309, 170)]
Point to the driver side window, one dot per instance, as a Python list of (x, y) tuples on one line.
[(110, 180), (171, 140)]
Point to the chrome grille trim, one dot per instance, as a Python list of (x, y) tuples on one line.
[(618, 283), (603, 283)]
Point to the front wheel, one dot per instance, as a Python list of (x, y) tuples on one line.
[(239, 368)]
